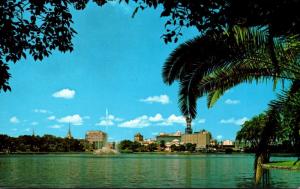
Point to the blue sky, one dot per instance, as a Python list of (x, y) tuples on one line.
[(116, 65)]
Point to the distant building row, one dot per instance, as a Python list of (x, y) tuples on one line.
[(201, 139)]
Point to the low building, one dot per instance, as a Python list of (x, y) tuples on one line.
[(175, 142), (148, 141), (168, 137), (138, 137), (228, 143), (201, 139), (96, 139), (213, 142)]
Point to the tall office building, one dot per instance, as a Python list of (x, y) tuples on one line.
[(188, 129)]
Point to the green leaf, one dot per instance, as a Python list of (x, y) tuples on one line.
[(134, 12), (213, 97)]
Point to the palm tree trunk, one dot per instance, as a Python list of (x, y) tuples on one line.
[(260, 159), (296, 133), (262, 153)]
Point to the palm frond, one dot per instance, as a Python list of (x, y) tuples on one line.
[(223, 80), (287, 98), (178, 61), (213, 97), (295, 87), (193, 86), (196, 51), (187, 101), (212, 64), (251, 37)]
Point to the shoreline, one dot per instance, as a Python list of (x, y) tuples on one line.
[(92, 152), (41, 153), (289, 165), (150, 153)]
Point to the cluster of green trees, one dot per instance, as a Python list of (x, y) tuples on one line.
[(280, 124), (46, 143), (129, 146), (182, 148), (251, 134)]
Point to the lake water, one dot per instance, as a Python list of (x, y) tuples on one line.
[(137, 170)]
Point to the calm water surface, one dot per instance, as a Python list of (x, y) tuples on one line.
[(136, 170)]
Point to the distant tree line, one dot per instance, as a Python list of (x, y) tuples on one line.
[(46, 143), (181, 148), (129, 146)]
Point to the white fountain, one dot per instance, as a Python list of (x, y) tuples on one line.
[(105, 150)]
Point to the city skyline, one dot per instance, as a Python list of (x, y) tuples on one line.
[(116, 65)]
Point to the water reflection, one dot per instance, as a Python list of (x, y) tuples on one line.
[(188, 173), (138, 170)]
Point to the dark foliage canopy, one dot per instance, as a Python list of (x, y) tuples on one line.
[(280, 15), (34, 27), (46, 143), (37, 27)]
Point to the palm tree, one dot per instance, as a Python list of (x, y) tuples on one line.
[(288, 103), (286, 106), (215, 62)]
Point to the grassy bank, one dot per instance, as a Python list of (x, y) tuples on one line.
[(293, 165), (30, 153), (177, 153)]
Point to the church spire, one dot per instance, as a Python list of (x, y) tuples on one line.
[(69, 135), (33, 134)]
